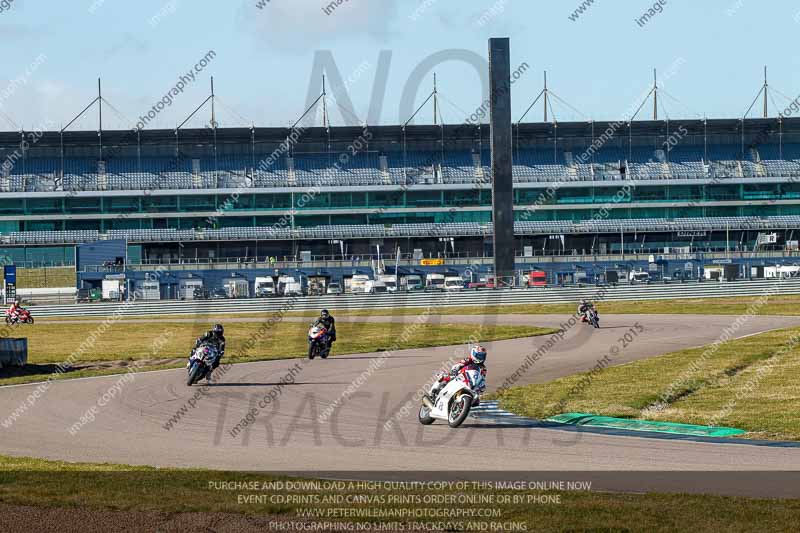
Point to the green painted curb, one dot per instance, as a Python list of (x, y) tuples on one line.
[(583, 419)]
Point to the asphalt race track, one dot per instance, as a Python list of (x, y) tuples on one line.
[(292, 434)]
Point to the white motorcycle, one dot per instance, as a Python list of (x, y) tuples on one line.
[(200, 363), (454, 401)]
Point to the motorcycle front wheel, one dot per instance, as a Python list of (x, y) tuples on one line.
[(312, 351), (459, 410), (194, 374)]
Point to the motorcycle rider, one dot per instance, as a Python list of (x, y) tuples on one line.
[(477, 358), (16, 309), (215, 336), (584, 307), (327, 321)]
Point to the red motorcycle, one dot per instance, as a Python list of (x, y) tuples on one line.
[(23, 316)]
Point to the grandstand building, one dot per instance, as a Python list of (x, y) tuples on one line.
[(583, 191)]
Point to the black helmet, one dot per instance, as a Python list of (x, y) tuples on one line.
[(324, 313), (217, 329)]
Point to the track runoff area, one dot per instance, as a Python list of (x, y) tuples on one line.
[(345, 443), (345, 429)]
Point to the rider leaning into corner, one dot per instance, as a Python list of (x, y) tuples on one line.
[(583, 307), (476, 358), (215, 336), (327, 321)]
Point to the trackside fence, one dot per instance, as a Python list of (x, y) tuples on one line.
[(345, 302)]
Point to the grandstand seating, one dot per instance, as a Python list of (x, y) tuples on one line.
[(454, 229), (403, 168)]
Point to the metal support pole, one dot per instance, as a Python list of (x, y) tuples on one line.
[(502, 185)]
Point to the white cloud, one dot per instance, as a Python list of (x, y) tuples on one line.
[(302, 25)]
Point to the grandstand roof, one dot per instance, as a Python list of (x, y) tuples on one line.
[(393, 134)]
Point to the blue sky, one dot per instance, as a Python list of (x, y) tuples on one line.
[(600, 63)]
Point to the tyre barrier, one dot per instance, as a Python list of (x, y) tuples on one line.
[(13, 352)]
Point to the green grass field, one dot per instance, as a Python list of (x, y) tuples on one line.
[(41, 483), (750, 383), (786, 305)]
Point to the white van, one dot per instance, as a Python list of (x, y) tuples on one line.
[(264, 287), (360, 284), (453, 283), (639, 276)]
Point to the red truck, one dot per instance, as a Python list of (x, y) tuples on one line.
[(537, 278)]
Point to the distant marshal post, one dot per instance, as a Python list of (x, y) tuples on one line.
[(502, 183)]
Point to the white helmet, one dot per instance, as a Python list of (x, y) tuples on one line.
[(478, 354)]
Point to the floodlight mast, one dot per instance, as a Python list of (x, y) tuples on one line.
[(548, 97), (214, 131), (544, 92), (435, 99), (100, 117), (655, 95), (414, 114), (97, 99)]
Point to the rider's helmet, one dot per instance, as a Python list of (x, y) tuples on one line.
[(478, 354), (585, 301), (217, 330), (324, 314)]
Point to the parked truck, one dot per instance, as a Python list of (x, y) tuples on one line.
[(434, 282), (411, 283), (389, 281), (289, 286)]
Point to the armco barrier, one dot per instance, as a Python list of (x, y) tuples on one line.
[(710, 289), (13, 352)]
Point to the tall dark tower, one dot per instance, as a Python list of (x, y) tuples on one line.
[(500, 131)]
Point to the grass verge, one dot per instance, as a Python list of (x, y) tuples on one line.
[(129, 489), (158, 342), (784, 305), (749, 383)]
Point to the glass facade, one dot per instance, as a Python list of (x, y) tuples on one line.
[(394, 206)]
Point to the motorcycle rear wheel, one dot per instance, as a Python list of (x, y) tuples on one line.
[(459, 410), (30, 320)]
